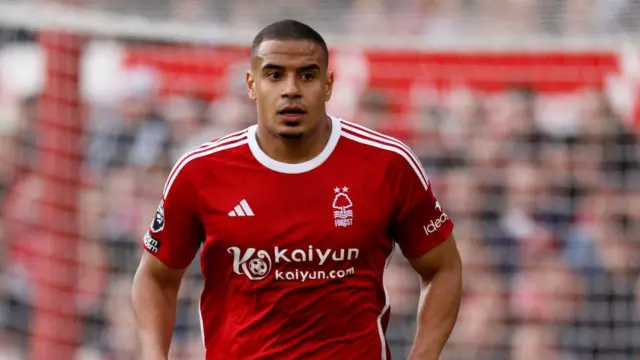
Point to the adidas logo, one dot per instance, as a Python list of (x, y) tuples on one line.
[(242, 209)]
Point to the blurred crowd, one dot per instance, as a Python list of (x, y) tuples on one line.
[(548, 221), (447, 21), (548, 227)]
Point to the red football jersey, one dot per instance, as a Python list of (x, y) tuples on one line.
[(293, 255)]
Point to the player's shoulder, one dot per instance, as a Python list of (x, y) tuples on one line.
[(220, 149), (388, 152), (375, 144)]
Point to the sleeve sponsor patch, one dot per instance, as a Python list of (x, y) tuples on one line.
[(151, 244)]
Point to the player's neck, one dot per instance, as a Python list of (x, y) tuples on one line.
[(295, 151)]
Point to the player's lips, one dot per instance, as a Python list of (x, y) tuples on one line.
[(292, 113)]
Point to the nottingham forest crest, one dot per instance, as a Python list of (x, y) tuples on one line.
[(342, 206)]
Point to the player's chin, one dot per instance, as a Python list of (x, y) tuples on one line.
[(291, 134), (292, 128)]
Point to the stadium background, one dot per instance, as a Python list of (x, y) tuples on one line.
[(524, 113)]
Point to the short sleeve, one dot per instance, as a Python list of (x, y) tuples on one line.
[(419, 223), (175, 233)]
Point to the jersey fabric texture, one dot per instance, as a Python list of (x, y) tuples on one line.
[(293, 255)]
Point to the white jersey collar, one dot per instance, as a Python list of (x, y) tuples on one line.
[(298, 168)]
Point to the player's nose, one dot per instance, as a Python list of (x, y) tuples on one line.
[(290, 88)]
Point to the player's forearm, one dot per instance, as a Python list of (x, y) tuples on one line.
[(154, 305), (437, 312)]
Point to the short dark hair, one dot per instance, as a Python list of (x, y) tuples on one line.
[(289, 30)]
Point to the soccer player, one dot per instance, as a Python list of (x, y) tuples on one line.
[(296, 218)]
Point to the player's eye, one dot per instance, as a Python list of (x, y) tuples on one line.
[(274, 76), (308, 76)]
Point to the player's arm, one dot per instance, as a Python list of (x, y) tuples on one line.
[(424, 232), (441, 272), (154, 296), (171, 243)]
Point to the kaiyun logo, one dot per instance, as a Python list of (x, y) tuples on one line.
[(258, 264)]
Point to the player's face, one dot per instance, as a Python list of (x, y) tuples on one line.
[(291, 84)]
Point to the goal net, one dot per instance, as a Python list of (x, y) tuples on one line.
[(524, 113)]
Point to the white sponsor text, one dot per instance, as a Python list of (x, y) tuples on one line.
[(257, 264)]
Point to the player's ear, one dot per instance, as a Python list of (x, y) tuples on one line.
[(329, 87), (251, 83)]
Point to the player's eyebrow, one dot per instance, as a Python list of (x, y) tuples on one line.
[(312, 67), (269, 66)]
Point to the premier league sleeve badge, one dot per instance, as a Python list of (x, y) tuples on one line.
[(158, 221)]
